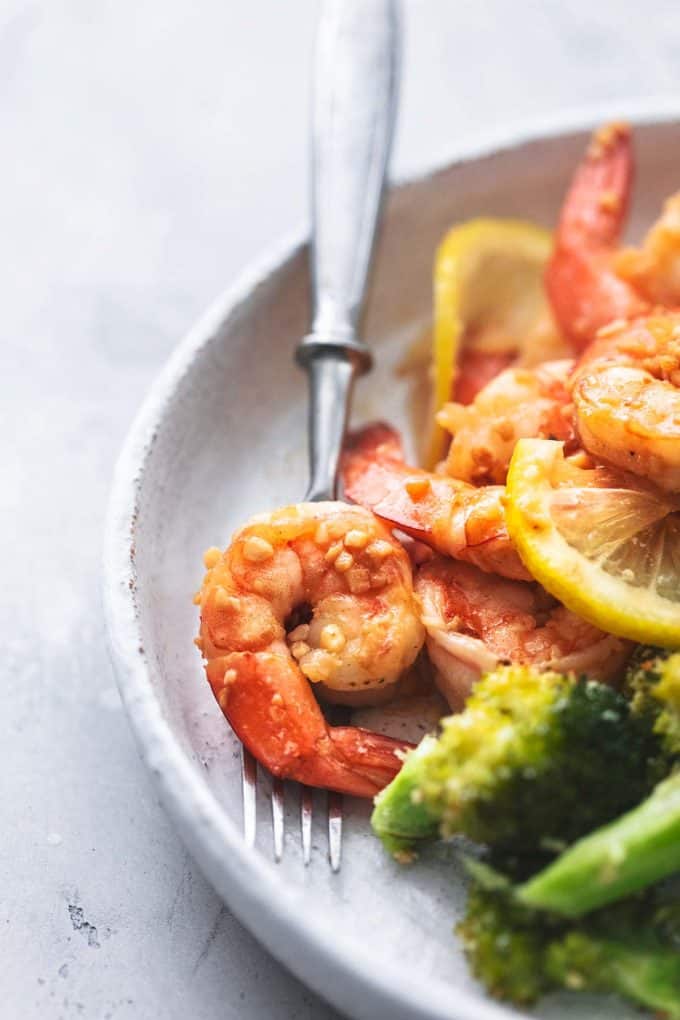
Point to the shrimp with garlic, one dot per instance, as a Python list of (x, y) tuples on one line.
[(519, 403), (476, 622), (626, 393), (450, 516), (654, 268), (316, 593), (626, 385)]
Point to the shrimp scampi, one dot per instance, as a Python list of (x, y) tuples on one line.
[(626, 393), (476, 622), (626, 385), (450, 516), (520, 402), (320, 593), (562, 358), (654, 268)]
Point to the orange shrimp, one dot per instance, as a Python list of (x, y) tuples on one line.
[(626, 385), (583, 286), (475, 622), (352, 580), (448, 515), (654, 268), (626, 393), (520, 402)]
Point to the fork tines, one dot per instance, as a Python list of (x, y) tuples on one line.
[(249, 777)]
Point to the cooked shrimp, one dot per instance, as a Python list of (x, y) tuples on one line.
[(584, 288), (518, 403), (478, 366), (626, 393), (654, 269), (626, 386), (448, 515), (475, 622), (316, 592)]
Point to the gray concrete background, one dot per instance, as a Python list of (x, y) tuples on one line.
[(149, 150)]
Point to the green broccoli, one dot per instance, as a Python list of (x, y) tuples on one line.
[(533, 762), (643, 846), (401, 817), (505, 945), (632, 948), (653, 685)]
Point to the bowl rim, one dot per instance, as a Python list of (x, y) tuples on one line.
[(335, 965)]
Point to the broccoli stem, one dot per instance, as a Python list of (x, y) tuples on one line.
[(400, 818), (641, 847)]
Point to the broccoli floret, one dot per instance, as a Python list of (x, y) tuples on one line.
[(653, 684), (632, 852), (641, 968), (505, 945), (642, 846), (520, 954), (533, 762)]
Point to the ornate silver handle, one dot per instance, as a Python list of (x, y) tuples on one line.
[(355, 98)]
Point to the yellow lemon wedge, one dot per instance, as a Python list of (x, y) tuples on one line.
[(489, 297), (610, 553)]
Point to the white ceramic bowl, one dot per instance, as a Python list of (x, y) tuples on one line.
[(222, 435)]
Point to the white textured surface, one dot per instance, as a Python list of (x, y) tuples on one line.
[(149, 151)]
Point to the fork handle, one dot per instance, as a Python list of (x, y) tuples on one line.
[(355, 97)]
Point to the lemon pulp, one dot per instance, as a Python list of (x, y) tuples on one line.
[(609, 553)]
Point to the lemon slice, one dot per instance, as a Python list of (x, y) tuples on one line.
[(610, 553), (489, 297)]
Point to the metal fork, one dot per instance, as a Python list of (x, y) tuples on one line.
[(355, 98)]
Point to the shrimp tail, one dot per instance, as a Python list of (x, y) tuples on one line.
[(369, 459), (377, 441), (584, 290), (596, 207), (375, 475), (376, 756), (476, 369), (271, 708), (448, 515)]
